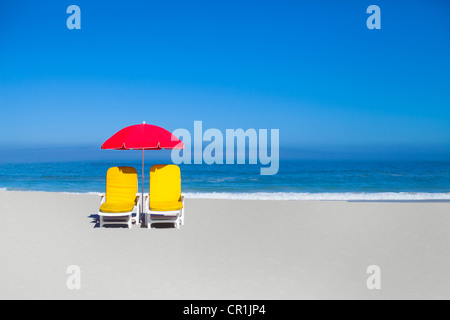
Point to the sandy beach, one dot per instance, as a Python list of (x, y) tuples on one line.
[(228, 249)]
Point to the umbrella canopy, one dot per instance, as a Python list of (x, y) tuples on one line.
[(143, 137)]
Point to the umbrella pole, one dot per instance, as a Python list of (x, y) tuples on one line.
[(142, 190)]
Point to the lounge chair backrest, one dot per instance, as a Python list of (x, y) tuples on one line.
[(121, 184), (165, 183)]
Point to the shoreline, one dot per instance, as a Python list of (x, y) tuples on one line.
[(295, 196)]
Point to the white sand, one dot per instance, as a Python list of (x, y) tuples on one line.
[(228, 249)]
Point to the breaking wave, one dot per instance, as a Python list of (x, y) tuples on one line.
[(344, 196)]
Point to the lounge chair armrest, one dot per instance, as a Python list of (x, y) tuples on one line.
[(146, 200), (102, 198), (137, 200)]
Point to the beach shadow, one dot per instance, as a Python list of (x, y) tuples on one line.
[(164, 226), (96, 222)]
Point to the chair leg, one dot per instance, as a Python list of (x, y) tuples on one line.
[(136, 218), (100, 221)]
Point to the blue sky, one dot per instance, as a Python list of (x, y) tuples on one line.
[(309, 68)]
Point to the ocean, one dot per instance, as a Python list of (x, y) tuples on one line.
[(296, 179)]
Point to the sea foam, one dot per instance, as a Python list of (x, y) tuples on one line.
[(344, 196)]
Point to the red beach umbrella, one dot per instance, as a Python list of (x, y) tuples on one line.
[(143, 137)]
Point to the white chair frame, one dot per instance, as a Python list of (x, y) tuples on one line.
[(176, 217)]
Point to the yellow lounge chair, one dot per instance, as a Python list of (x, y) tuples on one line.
[(121, 200), (164, 203)]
